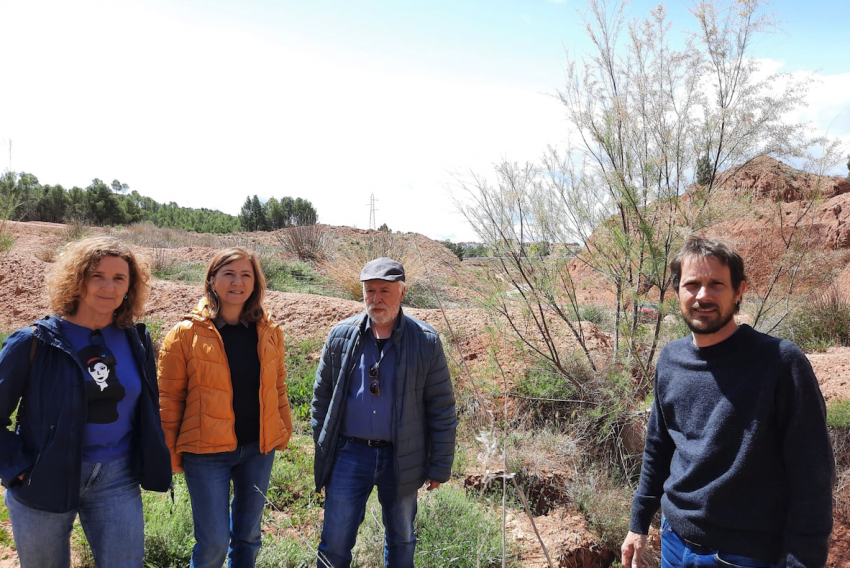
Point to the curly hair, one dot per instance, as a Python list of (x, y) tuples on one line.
[(252, 310), (69, 275)]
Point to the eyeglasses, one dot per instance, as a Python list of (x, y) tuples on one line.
[(375, 375)]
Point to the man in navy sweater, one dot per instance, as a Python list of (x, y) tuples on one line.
[(737, 451)]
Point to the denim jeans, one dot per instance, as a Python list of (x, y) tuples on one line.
[(225, 528), (679, 553), (357, 469), (110, 512)]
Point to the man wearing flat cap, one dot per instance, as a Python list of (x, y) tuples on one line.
[(383, 414)]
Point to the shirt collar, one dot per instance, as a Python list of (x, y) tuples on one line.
[(220, 323), (395, 327)]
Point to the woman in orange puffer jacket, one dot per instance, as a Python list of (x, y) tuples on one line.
[(224, 412)]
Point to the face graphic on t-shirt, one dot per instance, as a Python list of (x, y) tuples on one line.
[(99, 372), (105, 390)]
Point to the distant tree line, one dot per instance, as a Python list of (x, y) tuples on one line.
[(467, 250), (274, 214), (23, 198)]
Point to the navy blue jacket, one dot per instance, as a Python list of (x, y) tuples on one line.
[(737, 451), (47, 445), (424, 420)]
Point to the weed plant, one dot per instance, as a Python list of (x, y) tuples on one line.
[(598, 315), (604, 503), (305, 242), (7, 239), (292, 488), (300, 376), (821, 323), (75, 229), (6, 538), (169, 530), (452, 529)]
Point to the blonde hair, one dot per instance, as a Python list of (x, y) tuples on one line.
[(252, 310), (76, 263)]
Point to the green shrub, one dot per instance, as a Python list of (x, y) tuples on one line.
[(417, 295), (822, 323), (547, 393), (597, 315), (838, 413)]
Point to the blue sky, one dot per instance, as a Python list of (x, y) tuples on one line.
[(206, 102)]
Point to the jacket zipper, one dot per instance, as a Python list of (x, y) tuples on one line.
[(38, 457)]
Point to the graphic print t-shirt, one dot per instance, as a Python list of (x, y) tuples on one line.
[(112, 387)]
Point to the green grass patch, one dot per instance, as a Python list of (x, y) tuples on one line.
[(298, 277), (452, 529), (169, 529), (6, 538), (186, 272), (291, 488), (284, 552), (838, 413), (300, 376)]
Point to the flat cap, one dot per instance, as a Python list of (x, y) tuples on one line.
[(382, 269)]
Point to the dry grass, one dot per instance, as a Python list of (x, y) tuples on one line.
[(149, 235), (305, 242), (343, 267), (46, 254)]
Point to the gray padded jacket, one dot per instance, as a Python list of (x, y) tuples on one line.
[(424, 420)]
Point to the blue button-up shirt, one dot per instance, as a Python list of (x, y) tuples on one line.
[(369, 416)]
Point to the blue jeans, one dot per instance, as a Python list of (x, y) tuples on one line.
[(110, 512), (357, 469), (225, 528), (679, 553)]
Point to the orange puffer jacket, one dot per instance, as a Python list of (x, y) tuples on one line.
[(196, 395)]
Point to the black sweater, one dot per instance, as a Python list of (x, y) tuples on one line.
[(737, 450)]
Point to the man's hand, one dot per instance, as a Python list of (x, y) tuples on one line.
[(430, 484), (632, 550)]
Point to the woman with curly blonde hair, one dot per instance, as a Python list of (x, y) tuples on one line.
[(88, 432)]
